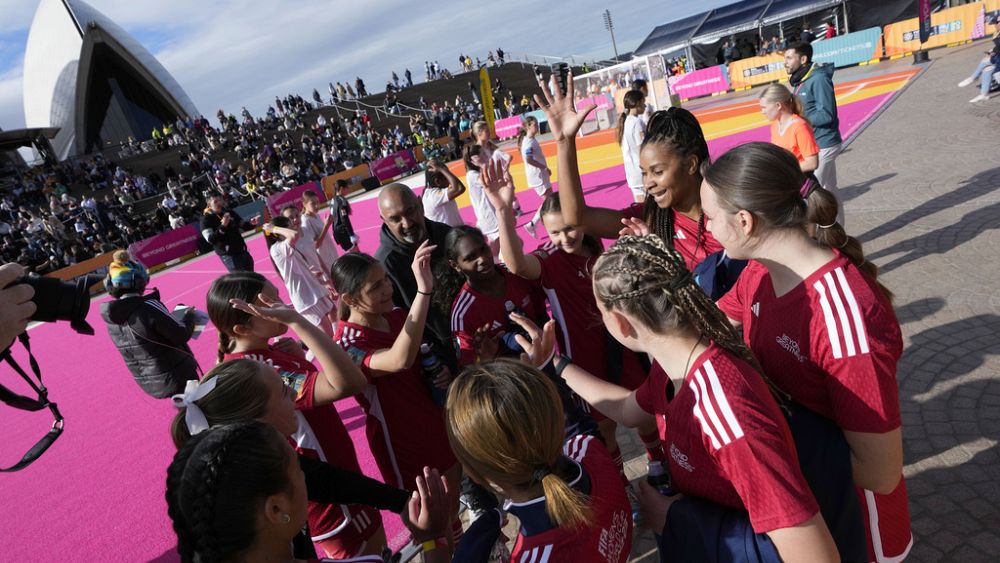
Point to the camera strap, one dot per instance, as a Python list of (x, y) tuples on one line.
[(21, 402)]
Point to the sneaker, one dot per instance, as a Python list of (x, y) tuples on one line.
[(966, 82), (476, 499), (530, 227), (979, 98)]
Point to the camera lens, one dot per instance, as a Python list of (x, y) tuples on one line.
[(58, 300)]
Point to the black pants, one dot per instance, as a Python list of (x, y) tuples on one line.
[(239, 262)]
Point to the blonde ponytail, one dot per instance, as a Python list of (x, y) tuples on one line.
[(567, 507)]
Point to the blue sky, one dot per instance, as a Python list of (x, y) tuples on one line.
[(233, 53)]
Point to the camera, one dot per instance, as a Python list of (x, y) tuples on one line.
[(561, 70), (58, 300)]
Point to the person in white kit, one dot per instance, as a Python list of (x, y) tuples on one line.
[(309, 293), (486, 215), (441, 190), (536, 169), (315, 229), (482, 134), (631, 130)]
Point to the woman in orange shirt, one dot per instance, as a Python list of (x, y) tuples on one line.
[(790, 129)]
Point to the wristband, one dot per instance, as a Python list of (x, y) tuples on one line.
[(425, 292), (431, 545), (560, 364)]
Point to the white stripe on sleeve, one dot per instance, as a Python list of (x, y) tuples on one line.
[(831, 325)]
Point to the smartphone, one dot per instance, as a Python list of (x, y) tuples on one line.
[(561, 71)]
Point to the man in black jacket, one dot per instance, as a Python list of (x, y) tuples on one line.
[(404, 228), (151, 341), (223, 229)]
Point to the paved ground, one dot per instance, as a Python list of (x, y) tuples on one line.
[(922, 189)]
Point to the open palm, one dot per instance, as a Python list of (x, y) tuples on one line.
[(564, 119)]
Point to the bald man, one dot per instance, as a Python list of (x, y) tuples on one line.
[(404, 228)]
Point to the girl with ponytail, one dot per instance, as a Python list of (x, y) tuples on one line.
[(631, 130), (536, 169), (245, 309), (790, 129), (505, 423), (731, 452), (238, 493), (816, 316)]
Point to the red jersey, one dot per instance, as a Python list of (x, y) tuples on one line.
[(728, 442), (568, 285), (405, 427), (832, 343), (692, 240), (322, 435), (472, 310), (608, 539)]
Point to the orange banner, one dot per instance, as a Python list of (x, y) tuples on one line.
[(81, 268), (354, 177), (757, 70), (960, 23)]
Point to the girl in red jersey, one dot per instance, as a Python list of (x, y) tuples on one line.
[(726, 436), (237, 492), (405, 427), (672, 153), (565, 276), (505, 423), (245, 331), (815, 315)]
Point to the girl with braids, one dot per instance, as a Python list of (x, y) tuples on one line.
[(730, 447), (238, 493), (505, 424), (405, 427), (565, 276), (631, 129), (790, 129), (536, 169), (302, 272), (816, 316), (670, 158), (244, 307)]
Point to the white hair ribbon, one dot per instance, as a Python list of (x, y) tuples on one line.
[(194, 391)]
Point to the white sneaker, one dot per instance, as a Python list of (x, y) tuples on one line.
[(530, 227), (966, 82), (979, 98)]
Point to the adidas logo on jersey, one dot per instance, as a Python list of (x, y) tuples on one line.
[(756, 309), (680, 235), (496, 325)]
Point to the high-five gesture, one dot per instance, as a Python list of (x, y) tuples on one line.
[(564, 119), (498, 183)]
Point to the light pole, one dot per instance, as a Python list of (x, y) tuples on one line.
[(610, 26)]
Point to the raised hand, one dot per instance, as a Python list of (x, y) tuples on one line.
[(564, 119), (538, 350), (422, 267), (633, 226), (429, 509), (498, 184), (269, 310), (487, 347)]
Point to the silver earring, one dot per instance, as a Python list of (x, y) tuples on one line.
[(286, 518)]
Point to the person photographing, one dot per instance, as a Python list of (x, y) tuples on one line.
[(223, 229)]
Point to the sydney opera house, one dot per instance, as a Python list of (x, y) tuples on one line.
[(88, 77)]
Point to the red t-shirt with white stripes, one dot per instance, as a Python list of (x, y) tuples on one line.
[(608, 538), (472, 310), (568, 285), (833, 343), (405, 427), (322, 435), (686, 239), (728, 442)]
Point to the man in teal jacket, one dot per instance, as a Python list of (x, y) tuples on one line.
[(813, 84)]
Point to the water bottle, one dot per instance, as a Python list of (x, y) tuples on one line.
[(432, 367), (659, 479), (507, 338)]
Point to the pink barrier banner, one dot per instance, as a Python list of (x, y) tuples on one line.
[(508, 127), (601, 101), (700, 82), (293, 196), (166, 246), (395, 164)]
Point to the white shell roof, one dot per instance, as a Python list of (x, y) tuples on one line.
[(50, 66)]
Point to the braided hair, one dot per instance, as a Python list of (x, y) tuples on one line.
[(646, 279), (678, 130), (215, 485), (236, 285)]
